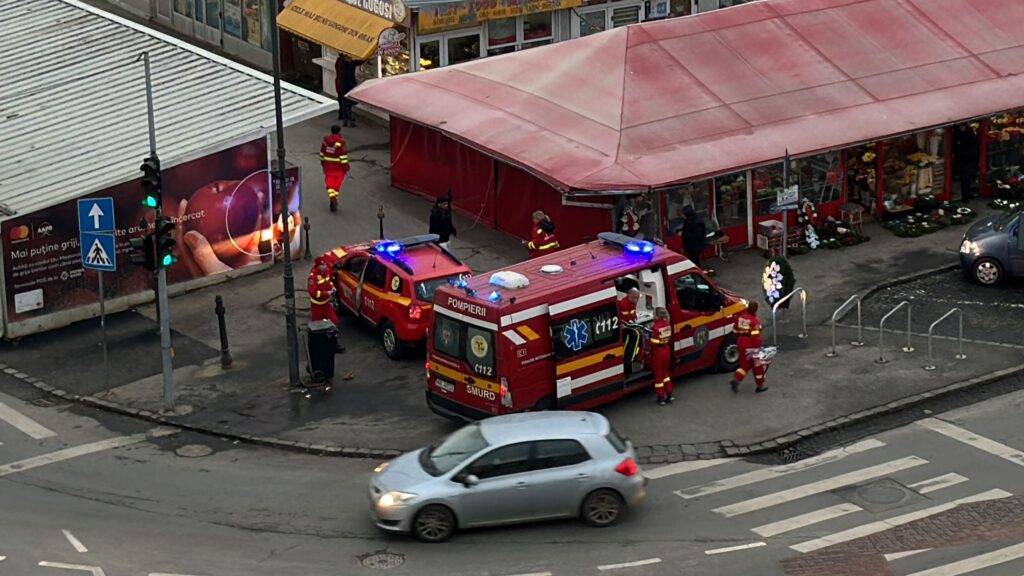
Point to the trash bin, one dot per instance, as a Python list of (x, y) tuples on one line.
[(321, 342)]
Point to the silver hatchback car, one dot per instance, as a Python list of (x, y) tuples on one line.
[(509, 469)]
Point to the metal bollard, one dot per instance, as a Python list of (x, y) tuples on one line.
[(307, 255), (380, 219), (225, 352)]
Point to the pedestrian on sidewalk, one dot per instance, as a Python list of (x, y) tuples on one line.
[(543, 239), (441, 220), (966, 155), (661, 356), (695, 235), (748, 338), (322, 292), (344, 82), (334, 160)]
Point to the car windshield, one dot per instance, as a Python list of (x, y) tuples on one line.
[(425, 289), (441, 458), (1006, 220)]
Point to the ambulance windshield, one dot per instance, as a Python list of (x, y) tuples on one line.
[(466, 342)]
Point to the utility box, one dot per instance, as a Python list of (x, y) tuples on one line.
[(322, 343)]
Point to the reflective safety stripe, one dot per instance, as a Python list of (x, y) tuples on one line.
[(315, 301), (548, 246), (332, 193), (341, 159), (755, 332)]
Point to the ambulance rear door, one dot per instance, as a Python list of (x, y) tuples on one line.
[(587, 344)]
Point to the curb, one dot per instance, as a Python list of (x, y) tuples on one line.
[(901, 280), (670, 453), (322, 449)]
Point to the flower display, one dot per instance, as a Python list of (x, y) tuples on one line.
[(930, 218), (777, 280), (869, 156)]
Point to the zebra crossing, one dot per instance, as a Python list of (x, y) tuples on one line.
[(861, 490)]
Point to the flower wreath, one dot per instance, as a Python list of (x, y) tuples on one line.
[(808, 214)]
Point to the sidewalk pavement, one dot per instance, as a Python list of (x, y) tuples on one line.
[(381, 410)]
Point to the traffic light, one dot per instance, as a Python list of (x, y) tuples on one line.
[(165, 242), (142, 253), (151, 182)]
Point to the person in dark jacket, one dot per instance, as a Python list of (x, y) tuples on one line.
[(441, 220), (344, 81), (966, 155), (695, 235)]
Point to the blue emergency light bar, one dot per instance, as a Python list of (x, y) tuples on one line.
[(629, 244), (640, 247), (389, 248), (494, 297)]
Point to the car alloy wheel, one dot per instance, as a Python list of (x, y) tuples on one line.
[(602, 508), (434, 524), (987, 272)]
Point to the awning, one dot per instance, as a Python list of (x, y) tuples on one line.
[(679, 100), (335, 24)]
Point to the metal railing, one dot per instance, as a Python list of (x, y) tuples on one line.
[(860, 327), (803, 314), (960, 337), (881, 332)]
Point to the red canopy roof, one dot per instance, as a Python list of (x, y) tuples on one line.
[(682, 99)]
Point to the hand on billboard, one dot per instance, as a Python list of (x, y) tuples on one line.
[(201, 257)]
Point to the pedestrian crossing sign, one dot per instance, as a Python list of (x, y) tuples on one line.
[(98, 252)]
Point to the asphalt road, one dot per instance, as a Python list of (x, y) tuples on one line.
[(86, 489)]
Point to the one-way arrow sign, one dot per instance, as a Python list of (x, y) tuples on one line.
[(96, 215)]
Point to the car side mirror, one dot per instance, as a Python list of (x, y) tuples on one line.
[(470, 480)]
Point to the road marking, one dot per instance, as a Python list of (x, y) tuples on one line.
[(629, 564), (937, 483), (790, 524), (530, 574), (96, 570), (819, 486), (770, 473), (972, 439), (1000, 556), (68, 453), (735, 548), (79, 547), (2, 558), (882, 525), (898, 555), (683, 467), (168, 574), (27, 425)]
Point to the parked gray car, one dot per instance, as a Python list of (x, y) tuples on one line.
[(993, 248), (509, 469)]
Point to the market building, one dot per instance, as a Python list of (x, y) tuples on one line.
[(881, 105), (74, 124)]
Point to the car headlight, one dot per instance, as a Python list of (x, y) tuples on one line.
[(380, 467), (389, 499), (968, 247)]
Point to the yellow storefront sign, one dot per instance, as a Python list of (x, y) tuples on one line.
[(437, 17), (335, 24)]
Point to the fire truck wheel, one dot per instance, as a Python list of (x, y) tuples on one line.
[(728, 355), (544, 404), (602, 508), (393, 347)]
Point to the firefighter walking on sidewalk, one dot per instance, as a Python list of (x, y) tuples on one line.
[(334, 159), (748, 339), (661, 356)]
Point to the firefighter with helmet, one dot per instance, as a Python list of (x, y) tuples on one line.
[(661, 356), (748, 338), (334, 159), (321, 290)]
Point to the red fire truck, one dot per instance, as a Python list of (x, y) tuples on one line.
[(545, 333), (390, 284)]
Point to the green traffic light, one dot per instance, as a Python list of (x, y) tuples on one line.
[(167, 260), (149, 202)]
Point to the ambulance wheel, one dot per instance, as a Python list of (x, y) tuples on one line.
[(728, 355), (393, 347)]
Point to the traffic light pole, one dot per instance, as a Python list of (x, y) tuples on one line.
[(289, 280), (163, 313)]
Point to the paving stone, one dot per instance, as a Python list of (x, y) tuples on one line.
[(689, 449), (677, 457), (659, 450), (657, 459), (643, 451), (708, 448)]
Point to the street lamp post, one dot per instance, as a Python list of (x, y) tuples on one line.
[(289, 279)]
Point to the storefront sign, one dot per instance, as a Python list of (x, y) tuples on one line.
[(436, 17), (788, 197), (393, 10), (390, 42), (221, 208)]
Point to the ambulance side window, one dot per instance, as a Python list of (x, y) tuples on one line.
[(695, 293), (582, 332), (376, 274)]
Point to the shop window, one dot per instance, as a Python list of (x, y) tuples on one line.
[(694, 195), (163, 8), (519, 33), (731, 200), (913, 166), (213, 14), (396, 62), (430, 54), (183, 7), (463, 48), (502, 36), (637, 216), (538, 29), (592, 23), (251, 31), (1005, 149), (818, 178), (233, 18)]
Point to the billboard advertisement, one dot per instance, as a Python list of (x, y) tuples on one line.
[(225, 219)]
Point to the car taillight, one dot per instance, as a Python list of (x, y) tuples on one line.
[(627, 468), (428, 368), (415, 312), (506, 396)]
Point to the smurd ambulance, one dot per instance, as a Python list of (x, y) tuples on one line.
[(545, 334)]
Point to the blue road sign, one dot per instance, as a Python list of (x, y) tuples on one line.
[(96, 215), (98, 252)]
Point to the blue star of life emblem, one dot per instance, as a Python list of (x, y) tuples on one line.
[(575, 335)]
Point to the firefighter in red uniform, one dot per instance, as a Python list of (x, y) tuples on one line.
[(661, 356), (334, 159), (543, 237), (321, 289), (630, 333), (748, 337)]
